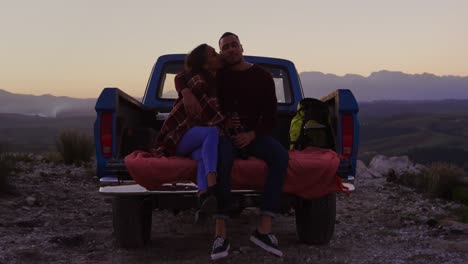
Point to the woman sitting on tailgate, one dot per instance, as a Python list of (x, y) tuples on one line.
[(197, 136)]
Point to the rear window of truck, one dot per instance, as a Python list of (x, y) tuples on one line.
[(280, 77)]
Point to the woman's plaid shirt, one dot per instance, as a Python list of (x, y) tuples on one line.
[(178, 123)]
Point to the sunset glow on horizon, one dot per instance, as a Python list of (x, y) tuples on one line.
[(76, 48)]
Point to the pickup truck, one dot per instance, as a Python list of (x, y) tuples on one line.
[(124, 124)]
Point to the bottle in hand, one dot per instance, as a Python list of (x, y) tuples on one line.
[(237, 129)]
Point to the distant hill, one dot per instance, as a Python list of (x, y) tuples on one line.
[(387, 85), (379, 109), (424, 137), (38, 134), (45, 105)]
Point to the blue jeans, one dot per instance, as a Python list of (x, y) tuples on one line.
[(201, 143), (265, 148)]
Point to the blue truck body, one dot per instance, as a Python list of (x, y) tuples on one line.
[(119, 116), (111, 99)]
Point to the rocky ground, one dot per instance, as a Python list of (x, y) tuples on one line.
[(57, 216)]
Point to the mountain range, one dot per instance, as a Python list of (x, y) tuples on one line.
[(380, 86), (387, 85), (45, 105)]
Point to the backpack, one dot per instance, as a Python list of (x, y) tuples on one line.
[(311, 125)]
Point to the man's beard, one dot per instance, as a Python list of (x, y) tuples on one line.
[(233, 63), (237, 59)]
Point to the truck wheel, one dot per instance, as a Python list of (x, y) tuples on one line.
[(131, 218), (315, 219)]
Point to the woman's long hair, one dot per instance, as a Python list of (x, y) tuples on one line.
[(196, 59), (194, 62)]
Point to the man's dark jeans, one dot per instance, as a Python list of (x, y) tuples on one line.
[(265, 148)]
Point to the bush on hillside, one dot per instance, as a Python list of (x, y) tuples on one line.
[(75, 147), (442, 179), (416, 181), (439, 179)]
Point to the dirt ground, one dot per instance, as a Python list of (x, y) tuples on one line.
[(58, 216)]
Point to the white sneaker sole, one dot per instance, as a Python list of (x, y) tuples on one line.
[(221, 254), (260, 243)]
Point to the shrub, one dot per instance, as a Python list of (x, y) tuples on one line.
[(442, 179), (417, 181), (75, 147)]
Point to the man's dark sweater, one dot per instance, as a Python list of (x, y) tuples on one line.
[(250, 93)]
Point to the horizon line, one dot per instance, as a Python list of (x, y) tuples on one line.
[(309, 71), (389, 71)]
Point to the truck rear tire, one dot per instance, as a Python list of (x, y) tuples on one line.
[(132, 218), (315, 219)]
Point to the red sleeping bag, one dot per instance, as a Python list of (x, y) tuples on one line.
[(311, 172)]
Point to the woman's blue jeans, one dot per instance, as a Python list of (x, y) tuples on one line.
[(201, 143)]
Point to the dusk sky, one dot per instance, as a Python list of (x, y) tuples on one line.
[(78, 47)]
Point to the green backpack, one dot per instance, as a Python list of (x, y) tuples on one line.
[(311, 126)]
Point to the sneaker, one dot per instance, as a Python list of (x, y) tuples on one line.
[(220, 248), (266, 241)]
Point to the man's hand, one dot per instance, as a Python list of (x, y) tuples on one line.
[(191, 104), (242, 140), (233, 122)]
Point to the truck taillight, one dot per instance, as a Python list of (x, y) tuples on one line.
[(347, 128), (106, 134)]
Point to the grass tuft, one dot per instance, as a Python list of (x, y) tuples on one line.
[(75, 147)]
